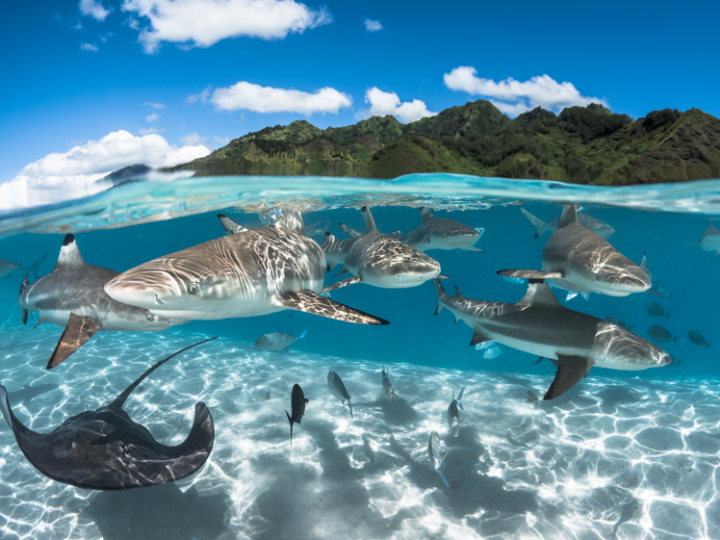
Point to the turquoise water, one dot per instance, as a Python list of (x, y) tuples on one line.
[(627, 453)]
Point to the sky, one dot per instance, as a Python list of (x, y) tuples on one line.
[(91, 86)]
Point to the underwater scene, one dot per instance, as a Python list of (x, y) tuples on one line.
[(437, 356)]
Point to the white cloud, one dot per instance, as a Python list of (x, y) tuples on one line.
[(383, 103), (94, 9), (152, 117), (193, 139), (202, 23), (514, 97), (372, 26), (75, 173), (265, 99), (157, 106), (88, 47), (202, 97), (153, 129)]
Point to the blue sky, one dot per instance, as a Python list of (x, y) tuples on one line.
[(77, 71)]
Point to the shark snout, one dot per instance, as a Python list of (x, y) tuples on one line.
[(149, 290)]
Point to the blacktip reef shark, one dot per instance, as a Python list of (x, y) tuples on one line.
[(245, 274), (453, 412), (539, 325), (288, 218), (579, 260), (595, 225), (72, 296), (8, 268), (441, 233), (378, 259), (710, 239), (106, 450)]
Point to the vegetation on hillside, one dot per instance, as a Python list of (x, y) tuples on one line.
[(581, 144)]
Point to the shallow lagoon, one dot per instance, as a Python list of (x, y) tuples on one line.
[(631, 454)]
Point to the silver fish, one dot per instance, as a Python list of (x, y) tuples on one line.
[(453, 412), (278, 341), (434, 455), (338, 388), (386, 386)]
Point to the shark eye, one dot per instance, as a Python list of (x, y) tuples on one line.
[(193, 288)]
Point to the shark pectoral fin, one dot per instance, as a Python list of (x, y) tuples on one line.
[(24, 315), (570, 370), (40, 320), (229, 225), (345, 270), (77, 332), (440, 276), (311, 302), (344, 283), (479, 337), (530, 274), (475, 249)]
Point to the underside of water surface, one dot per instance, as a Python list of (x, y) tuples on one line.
[(622, 454)]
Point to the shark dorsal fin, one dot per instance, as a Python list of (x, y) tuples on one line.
[(539, 294), (425, 214), (458, 294), (120, 400), (569, 216), (69, 254), (369, 221)]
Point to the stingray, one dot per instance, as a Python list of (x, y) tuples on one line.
[(106, 450)]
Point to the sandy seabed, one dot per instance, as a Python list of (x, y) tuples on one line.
[(613, 458)]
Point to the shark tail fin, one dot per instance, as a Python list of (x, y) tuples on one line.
[(23, 286), (459, 398), (440, 294), (540, 226), (34, 266), (302, 336)]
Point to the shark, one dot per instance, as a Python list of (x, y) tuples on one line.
[(245, 274), (8, 268), (710, 239), (287, 218), (539, 325), (72, 296), (105, 450), (378, 260), (581, 261), (595, 225), (440, 233)]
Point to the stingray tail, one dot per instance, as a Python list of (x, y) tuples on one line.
[(122, 397), (23, 286)]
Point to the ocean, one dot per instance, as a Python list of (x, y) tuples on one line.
[(622, 454)]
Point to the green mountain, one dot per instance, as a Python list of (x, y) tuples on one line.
[(581, 145)]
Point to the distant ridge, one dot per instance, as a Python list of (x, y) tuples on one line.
[(587, 145)]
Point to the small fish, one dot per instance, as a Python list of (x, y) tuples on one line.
[(267, 395), (492, 352), (338, 388), (484, 345), (656, 310), (697, 338), (386, 386), (618, 322), (453, 412), (658, 333), (277, 341), (434, 454), (297, 403)]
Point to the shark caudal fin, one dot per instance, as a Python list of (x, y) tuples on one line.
[(540, 226), (311, 302), (23, 286), (76, 334), (570, 370), (229, 225), (302, 336), (33, 268)]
